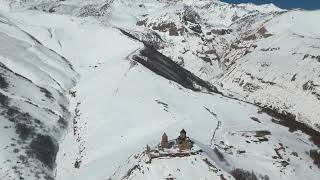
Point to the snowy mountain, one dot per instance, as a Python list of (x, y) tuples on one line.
[(34, 110), (87, 85)]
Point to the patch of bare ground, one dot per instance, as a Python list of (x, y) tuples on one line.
[(280, 158), (249, 87), (222, 177), (241, 174), (315, 155), (221, 31), (219, 154), (271, 49), (256, 136), (165, 105), (130, 171), (261, 135), (210, 165), (311, 57), (256, 119), (289, 120), (264, 32), (261, 33), (165, 27)]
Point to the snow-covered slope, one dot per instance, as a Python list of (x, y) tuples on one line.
[(148, 67), (269, 58), (282, 72), (34, 107), (170, 164)]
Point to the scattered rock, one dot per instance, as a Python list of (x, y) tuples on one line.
[(255, 119)]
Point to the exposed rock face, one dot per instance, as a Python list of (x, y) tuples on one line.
[(167, 68), (167, 27)]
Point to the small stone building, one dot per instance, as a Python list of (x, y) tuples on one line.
[(183, 142), (164, 141)]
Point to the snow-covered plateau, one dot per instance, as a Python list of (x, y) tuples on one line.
[(87, 87)]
